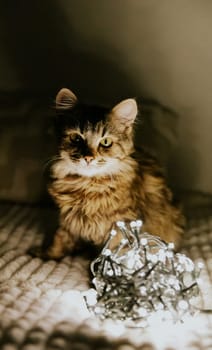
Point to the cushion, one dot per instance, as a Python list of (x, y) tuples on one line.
[(42, 306), (26, 144)]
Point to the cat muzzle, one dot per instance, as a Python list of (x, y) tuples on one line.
[(88, 159)]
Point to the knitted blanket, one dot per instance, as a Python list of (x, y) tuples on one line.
[(42, 307)]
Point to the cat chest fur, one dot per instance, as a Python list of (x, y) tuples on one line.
[(89, 207)]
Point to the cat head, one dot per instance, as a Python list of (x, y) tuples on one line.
[(93, 141)]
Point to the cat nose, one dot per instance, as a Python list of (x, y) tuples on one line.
[(88, 159)]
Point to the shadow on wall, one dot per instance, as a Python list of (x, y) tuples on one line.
[(43, 52)]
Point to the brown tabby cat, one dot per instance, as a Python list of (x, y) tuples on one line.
[(99, 178)]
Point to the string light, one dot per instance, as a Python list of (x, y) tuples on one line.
[(141, 279)]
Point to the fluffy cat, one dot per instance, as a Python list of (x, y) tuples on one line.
[(99, 177)]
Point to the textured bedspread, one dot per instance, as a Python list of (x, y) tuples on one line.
[(41, 306)]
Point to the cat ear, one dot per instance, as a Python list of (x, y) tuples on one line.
[(65, 99), (124, 113)]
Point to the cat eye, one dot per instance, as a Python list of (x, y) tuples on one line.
[(75, 138), (106, 142)]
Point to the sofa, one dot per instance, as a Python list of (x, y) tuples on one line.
[(158, 52)]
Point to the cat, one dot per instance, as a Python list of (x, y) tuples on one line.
[(99, 177)]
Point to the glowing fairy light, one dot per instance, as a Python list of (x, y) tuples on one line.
[(141, 279), (91, 297)]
